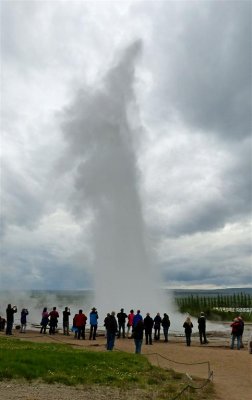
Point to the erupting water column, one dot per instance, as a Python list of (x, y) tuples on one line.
[(98, 128)]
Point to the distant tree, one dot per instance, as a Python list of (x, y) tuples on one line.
[(241, 300), (234, 301)]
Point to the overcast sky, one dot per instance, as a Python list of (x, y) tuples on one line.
[(177, 74)]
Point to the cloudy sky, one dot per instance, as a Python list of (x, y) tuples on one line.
[(135, 114)]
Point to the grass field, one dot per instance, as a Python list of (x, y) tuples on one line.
[(53, 363)]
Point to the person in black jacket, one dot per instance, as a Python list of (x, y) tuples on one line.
[(188, 330), (111, 326), (138, 335), (166, 325), (10, 311), (66, 313), (202, 328), (121, 317), (23, 319), (148, 325), (157, 326)]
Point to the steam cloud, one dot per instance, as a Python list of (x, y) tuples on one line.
[(101, 144)]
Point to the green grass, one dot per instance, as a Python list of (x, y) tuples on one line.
[(53, 363)]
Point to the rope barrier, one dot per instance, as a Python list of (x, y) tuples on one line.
[(188, 385)]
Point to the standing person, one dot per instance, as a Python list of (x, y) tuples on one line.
[(66, 314), (54, 315), (106, 322), (166, 325), (130, 323), (121, 317), (188, 330), (10, 311), (157, 325), (202, 328), (148, 325), (242, 329), (2, 323), (111, 331), (23, 319), (74, 327), (138, 335), (93, 319), (250, 344), (236, 333), (137, 317), (80, 323), (44, 320)]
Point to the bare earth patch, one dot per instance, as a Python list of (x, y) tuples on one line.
[(232, 369)]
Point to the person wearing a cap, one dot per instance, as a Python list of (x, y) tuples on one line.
[(93, 319), (121, 317)]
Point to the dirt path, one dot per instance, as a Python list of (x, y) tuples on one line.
[(232, 369)]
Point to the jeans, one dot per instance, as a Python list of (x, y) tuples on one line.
[(202, 334), (121, 328), (238, 337), (157, 333), (52, 328), (148, 337), (138, 344), (81, 332), (93, 329), (66, 328), (188, 339), (43, 329), (110, 340), (165, 334)]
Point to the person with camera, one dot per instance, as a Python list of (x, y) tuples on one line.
[(10, 311), (66, 314)]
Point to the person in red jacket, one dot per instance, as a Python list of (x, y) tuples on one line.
[(130, 323), (237, 329), (80, 323), (54, 315)]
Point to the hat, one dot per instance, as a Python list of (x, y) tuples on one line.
[(93, 309)]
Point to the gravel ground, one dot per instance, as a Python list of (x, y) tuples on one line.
[(12, 390)]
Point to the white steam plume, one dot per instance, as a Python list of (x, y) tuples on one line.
[(100, 136)]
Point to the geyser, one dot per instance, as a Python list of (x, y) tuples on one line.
[(100, 134)]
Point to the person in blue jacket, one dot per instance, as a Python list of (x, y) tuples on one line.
[(137, 317), (93, 319)]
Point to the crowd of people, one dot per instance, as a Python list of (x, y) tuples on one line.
[(120, 325)]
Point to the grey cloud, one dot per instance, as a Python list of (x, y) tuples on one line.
[(200, 197), (205, 73), (22, 200), (207, 273), (40, 270)]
